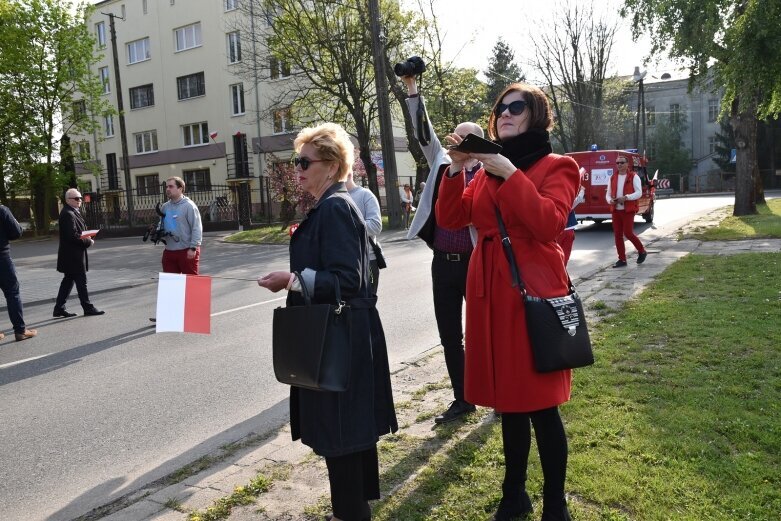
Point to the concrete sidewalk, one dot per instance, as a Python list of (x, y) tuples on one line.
[(299, 489)]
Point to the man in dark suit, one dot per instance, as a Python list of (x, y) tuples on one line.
[(72, 257)]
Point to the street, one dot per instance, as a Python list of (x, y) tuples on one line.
[(94, 408)]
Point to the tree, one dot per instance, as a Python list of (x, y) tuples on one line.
[(286, 190), (670, 155), (725, 143), (326, 46), (741, 39), (502, 71), (573, 55), (46, 62)]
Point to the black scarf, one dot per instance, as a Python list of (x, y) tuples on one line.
[(526, 149)]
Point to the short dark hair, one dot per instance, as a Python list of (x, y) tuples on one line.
[(540, 115), (178, 180)]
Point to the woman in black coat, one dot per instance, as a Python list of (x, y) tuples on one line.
[(330, 246)]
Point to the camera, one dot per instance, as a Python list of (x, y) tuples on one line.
[(156, 233), (413, 66)]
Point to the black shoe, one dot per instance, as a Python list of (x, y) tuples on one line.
[(92, 312), (61, 312), (619, 264), (641, 257), (513, 508), (557, 512), (457, 409)]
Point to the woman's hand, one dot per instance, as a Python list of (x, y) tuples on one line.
[(458, 158), (275, 281), (496, 164)]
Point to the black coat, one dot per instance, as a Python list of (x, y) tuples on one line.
[(332, 241), (72, 254)]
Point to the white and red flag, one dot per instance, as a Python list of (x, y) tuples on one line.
[(213, 135), (184, 303)]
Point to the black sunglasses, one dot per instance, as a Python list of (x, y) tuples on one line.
[(516, 107), (304, 162), (620, 162), (76, 198)]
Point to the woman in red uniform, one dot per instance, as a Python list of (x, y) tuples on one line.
[(533, 189)]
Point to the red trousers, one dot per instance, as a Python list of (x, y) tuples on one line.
[(623, 226), (176, 261)]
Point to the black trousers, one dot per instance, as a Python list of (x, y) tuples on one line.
[(552, 444), (448, 278), (354, 480), (66, 286)]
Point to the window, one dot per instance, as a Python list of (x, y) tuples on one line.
[(712, 145), (237, 99), (195, 134), (196, 180), (79, 110), (279, 69), (282, 121), (713, 110), (146, 141), (191, 86), (650, 116), (100, 33), (675, 113), (138, 51), (108, 125), (143, 6), (234, 47), (105, 80), (143, 96), (82, 151), (188, 37), (148, 184), (230, 5)]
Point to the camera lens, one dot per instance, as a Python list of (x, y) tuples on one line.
[(404, 68)]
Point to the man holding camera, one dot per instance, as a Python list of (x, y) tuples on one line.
[(183, 221), (452, 248)]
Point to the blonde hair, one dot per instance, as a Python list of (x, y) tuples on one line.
[(540, 115), (332, 143)]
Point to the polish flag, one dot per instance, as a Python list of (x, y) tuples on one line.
[(213, 135), (184, 303)]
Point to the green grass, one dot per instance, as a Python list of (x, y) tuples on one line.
[(275, 234), (677, 420), (766, 224), (243, 495)]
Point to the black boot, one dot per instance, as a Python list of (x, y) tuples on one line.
[(557, 511), (510, 508)]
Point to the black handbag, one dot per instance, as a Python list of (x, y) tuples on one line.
[(378, 254), (311, 344), (556, 326)]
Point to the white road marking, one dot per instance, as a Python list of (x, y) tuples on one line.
[(11, 364), (245, 307)]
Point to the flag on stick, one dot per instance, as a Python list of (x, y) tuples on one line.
[(184, 303)]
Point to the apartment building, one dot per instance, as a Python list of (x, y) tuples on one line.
[(189, 110)]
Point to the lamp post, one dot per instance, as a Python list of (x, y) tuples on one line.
[(638, 78)]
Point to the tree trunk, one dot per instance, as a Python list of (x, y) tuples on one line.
[(744, 124)]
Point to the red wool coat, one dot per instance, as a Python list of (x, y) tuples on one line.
[(534, 206)]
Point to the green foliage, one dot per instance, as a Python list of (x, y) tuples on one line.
[(455, 97), (725, 143), (502, 71), (242, 495), (670, 155)]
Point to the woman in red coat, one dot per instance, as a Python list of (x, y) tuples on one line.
[(533, 190)]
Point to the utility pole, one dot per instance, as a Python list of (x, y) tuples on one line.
[(386, 126), (122, 130), (638, 78)]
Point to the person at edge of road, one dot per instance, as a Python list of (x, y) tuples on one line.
[(72, 258), (369, 207), (10, 230), (452, 250), (405, 195), (566, 239), (623, 191), (182, 219), (533, 190), (330, 246)]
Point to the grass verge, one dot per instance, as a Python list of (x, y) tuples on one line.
[(243, 495), (272, 234), (766, 224), (678, 419)]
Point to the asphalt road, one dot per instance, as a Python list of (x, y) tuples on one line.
[(97, 407)]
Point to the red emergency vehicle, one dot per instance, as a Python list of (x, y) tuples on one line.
[(597, 167)]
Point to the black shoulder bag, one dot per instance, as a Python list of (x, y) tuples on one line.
[(556, 326), (379, 255), (311, 344)]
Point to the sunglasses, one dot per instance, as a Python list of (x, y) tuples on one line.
[(304, 162), (516, 107), (620, 162), (76, 198)]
